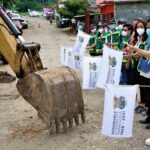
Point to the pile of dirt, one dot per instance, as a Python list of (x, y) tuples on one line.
[(6, 77)]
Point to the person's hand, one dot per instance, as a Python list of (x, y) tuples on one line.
[(131, 48), (137, 56), (108, 44), (88, 47)]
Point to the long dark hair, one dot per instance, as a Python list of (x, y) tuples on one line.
[(136, 34)]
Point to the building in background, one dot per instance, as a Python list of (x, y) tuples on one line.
[(131, 9), (106, 8)]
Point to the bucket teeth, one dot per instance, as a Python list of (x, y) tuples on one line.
[(64, 123), (70, 123), (76, 118), (52, 127), (83, 117), (57, 123), (57, 96)]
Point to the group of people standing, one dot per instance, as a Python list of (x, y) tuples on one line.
[(134, 41)]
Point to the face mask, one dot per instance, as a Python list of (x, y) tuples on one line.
[(140, 31), (112, 26), (101, 30), (148, 32), (93, 30), (124, 33), (106, 30), (120, 27)]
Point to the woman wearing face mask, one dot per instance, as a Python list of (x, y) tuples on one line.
[(91, 44), (140, 38), (126, 70), (145, 76)]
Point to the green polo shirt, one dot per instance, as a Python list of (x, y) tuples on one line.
[(124, 41), (100, 40), (92, 39), (114, 38)]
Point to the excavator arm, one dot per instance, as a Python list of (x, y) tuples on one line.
[(55, 93), (22, 57)]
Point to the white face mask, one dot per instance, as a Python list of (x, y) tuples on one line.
[(120, 27), (93, 30), (106, 29), (140, 31), (101, 30), (124, 33)]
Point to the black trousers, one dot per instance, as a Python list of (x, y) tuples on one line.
[(145, 92)]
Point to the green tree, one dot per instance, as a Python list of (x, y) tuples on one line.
[(73, 8), (24, 5)]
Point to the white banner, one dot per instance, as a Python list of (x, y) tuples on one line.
[(66, 56), (111, 68), (119, 111), (91, 67), (79, 48)]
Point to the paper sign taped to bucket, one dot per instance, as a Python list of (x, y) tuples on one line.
[(67, 56), (119, 111), (91, 67), (79, 48), (111, 69)]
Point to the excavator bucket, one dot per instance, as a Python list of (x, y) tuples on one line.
[(56, 95)]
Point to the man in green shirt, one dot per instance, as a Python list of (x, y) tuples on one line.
[(113, 37), (101, 39), (91, 44), (127, 63)]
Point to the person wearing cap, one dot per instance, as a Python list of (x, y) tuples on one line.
[(113, 37), (91, 45), (120, 24), (101, 39)]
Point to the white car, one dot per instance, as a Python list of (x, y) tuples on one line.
[(15, 16), (34, 14)]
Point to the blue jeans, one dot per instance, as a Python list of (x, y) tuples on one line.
[(125, 75)]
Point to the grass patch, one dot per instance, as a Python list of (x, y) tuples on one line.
[(24, 14)]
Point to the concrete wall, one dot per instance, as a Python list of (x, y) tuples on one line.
[(130, 11)]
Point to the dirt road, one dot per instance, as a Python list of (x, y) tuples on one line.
[(19, 121)]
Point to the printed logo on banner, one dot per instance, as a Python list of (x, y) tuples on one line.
[(66, 56), (81, 40), (111, 71), (111, 68), (79, 48), (112, 61), (91, 67), (93, 74), (119, 102), (119, 111)]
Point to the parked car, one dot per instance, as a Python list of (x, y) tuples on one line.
[(18, 25), (8, 11), (15, 16), (22, 22), (50, 15), (34, 14), (62, 22)]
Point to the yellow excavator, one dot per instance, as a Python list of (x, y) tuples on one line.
[(55, 93)]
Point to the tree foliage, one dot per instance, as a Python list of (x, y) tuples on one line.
[(24, 5), (73, 8)]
